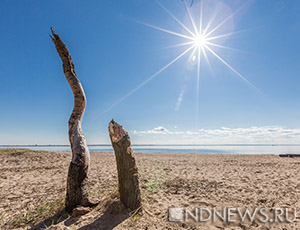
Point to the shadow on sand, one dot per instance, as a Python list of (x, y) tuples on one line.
[(55, 219), (114, 214)]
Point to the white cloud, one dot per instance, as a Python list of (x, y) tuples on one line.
[(157, 130), (225, 135)]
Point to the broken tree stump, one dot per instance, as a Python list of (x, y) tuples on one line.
[(77, 181), (129, 189)]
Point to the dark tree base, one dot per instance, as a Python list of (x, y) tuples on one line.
[(77, 186)]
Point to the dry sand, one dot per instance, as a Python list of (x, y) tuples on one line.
[(34, 181)]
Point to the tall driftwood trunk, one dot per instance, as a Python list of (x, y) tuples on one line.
[(127, 170), (77, 182)]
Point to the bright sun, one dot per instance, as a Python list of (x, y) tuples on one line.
[(200, 41)]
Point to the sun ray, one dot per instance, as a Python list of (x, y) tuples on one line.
[(198, 79), (200, 42), (167, 31), (176, 19), (180, 44), (231, 68), (225, 20), (224, 35), (200, 21), (223, 47), (148, 79), (194, 51), (211, 20), (207, 60), (191, 18)]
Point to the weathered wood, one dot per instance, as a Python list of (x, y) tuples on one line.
[(77, 181), (127, 170)]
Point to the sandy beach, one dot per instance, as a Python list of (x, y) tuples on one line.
[(32, 189)]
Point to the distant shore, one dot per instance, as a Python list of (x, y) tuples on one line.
[(32, 185), (180, 148)]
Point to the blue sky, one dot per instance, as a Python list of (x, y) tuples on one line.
[(114, 53)]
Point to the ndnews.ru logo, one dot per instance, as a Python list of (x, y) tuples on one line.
[(231, 215)]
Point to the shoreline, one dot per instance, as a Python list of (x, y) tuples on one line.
[(186, 149)]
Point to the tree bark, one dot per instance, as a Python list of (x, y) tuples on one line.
[(127, 170), (77, 181)]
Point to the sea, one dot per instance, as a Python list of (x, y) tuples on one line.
[(201, 149)]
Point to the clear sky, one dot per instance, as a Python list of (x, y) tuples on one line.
[(115, 52)]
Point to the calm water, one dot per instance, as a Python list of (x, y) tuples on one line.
[(236, 149)]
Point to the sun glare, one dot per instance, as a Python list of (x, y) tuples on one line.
[(200, 41)]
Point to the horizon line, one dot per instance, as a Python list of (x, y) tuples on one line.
[(68, 145)]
